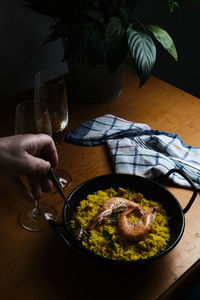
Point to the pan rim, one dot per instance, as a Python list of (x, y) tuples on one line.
[(110, 260)]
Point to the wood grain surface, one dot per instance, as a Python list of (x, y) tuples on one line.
[(40, 266)]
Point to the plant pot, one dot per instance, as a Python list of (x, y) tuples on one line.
[(93, 84)]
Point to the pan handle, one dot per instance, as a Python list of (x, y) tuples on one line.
[(191, 185), (56, 227)]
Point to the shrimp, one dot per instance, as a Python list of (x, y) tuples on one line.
[(111, 205), (134, 232)]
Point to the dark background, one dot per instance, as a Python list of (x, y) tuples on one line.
[(22, 53), (184, 30)]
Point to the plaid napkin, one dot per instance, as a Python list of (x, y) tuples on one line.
[(138, 149)]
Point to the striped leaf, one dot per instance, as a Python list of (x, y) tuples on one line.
[(142, 52)]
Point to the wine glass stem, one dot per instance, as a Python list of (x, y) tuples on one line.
[(37, 211)]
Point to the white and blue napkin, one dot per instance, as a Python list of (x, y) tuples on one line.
[(138, 149)]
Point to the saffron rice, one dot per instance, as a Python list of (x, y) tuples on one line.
[(104, 240)]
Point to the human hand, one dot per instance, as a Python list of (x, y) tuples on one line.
[(19, 156)]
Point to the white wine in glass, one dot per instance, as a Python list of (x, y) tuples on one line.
[(51, 99), (35, 217)]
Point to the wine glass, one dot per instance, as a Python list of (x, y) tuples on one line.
[(35, 217), (51, 102)]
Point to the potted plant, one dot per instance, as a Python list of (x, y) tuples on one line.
[(99, 38)]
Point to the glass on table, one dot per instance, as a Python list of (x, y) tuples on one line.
[(33, 218), (51, 101)]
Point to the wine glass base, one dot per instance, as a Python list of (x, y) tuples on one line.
[(64, 179), (37, 222)]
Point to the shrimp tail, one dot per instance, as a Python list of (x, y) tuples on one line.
[(134, 232), (111, 205)]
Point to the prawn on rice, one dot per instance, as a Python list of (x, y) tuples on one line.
[(105, 239)]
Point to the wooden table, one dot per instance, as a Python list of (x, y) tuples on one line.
[(40, 266)]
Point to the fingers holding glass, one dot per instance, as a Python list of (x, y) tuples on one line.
[(33, 218)]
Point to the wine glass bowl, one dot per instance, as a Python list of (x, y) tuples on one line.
[(57, 108), (51, 98), (33, 218)]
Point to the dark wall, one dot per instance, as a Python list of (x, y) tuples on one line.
[(22, 53), (23, 32), (184, 30)]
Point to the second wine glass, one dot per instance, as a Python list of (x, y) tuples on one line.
[(51, 102)]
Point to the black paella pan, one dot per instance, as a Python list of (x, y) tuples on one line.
[(149, 188)]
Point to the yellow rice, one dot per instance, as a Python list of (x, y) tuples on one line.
[(114, 247)]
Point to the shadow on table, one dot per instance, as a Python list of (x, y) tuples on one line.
[(73, 277)]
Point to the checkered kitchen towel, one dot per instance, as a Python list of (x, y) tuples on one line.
[(138, 149)]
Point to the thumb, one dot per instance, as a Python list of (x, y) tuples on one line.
[(37, 166)]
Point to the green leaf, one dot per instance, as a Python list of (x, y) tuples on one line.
[(89, 39), (114, 33), (115, 45), (107, 236), (112, 245), (129, 63), (97, 45), (95, 15), (172, 4), (164, 39), (142, 53), (123, 14)]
